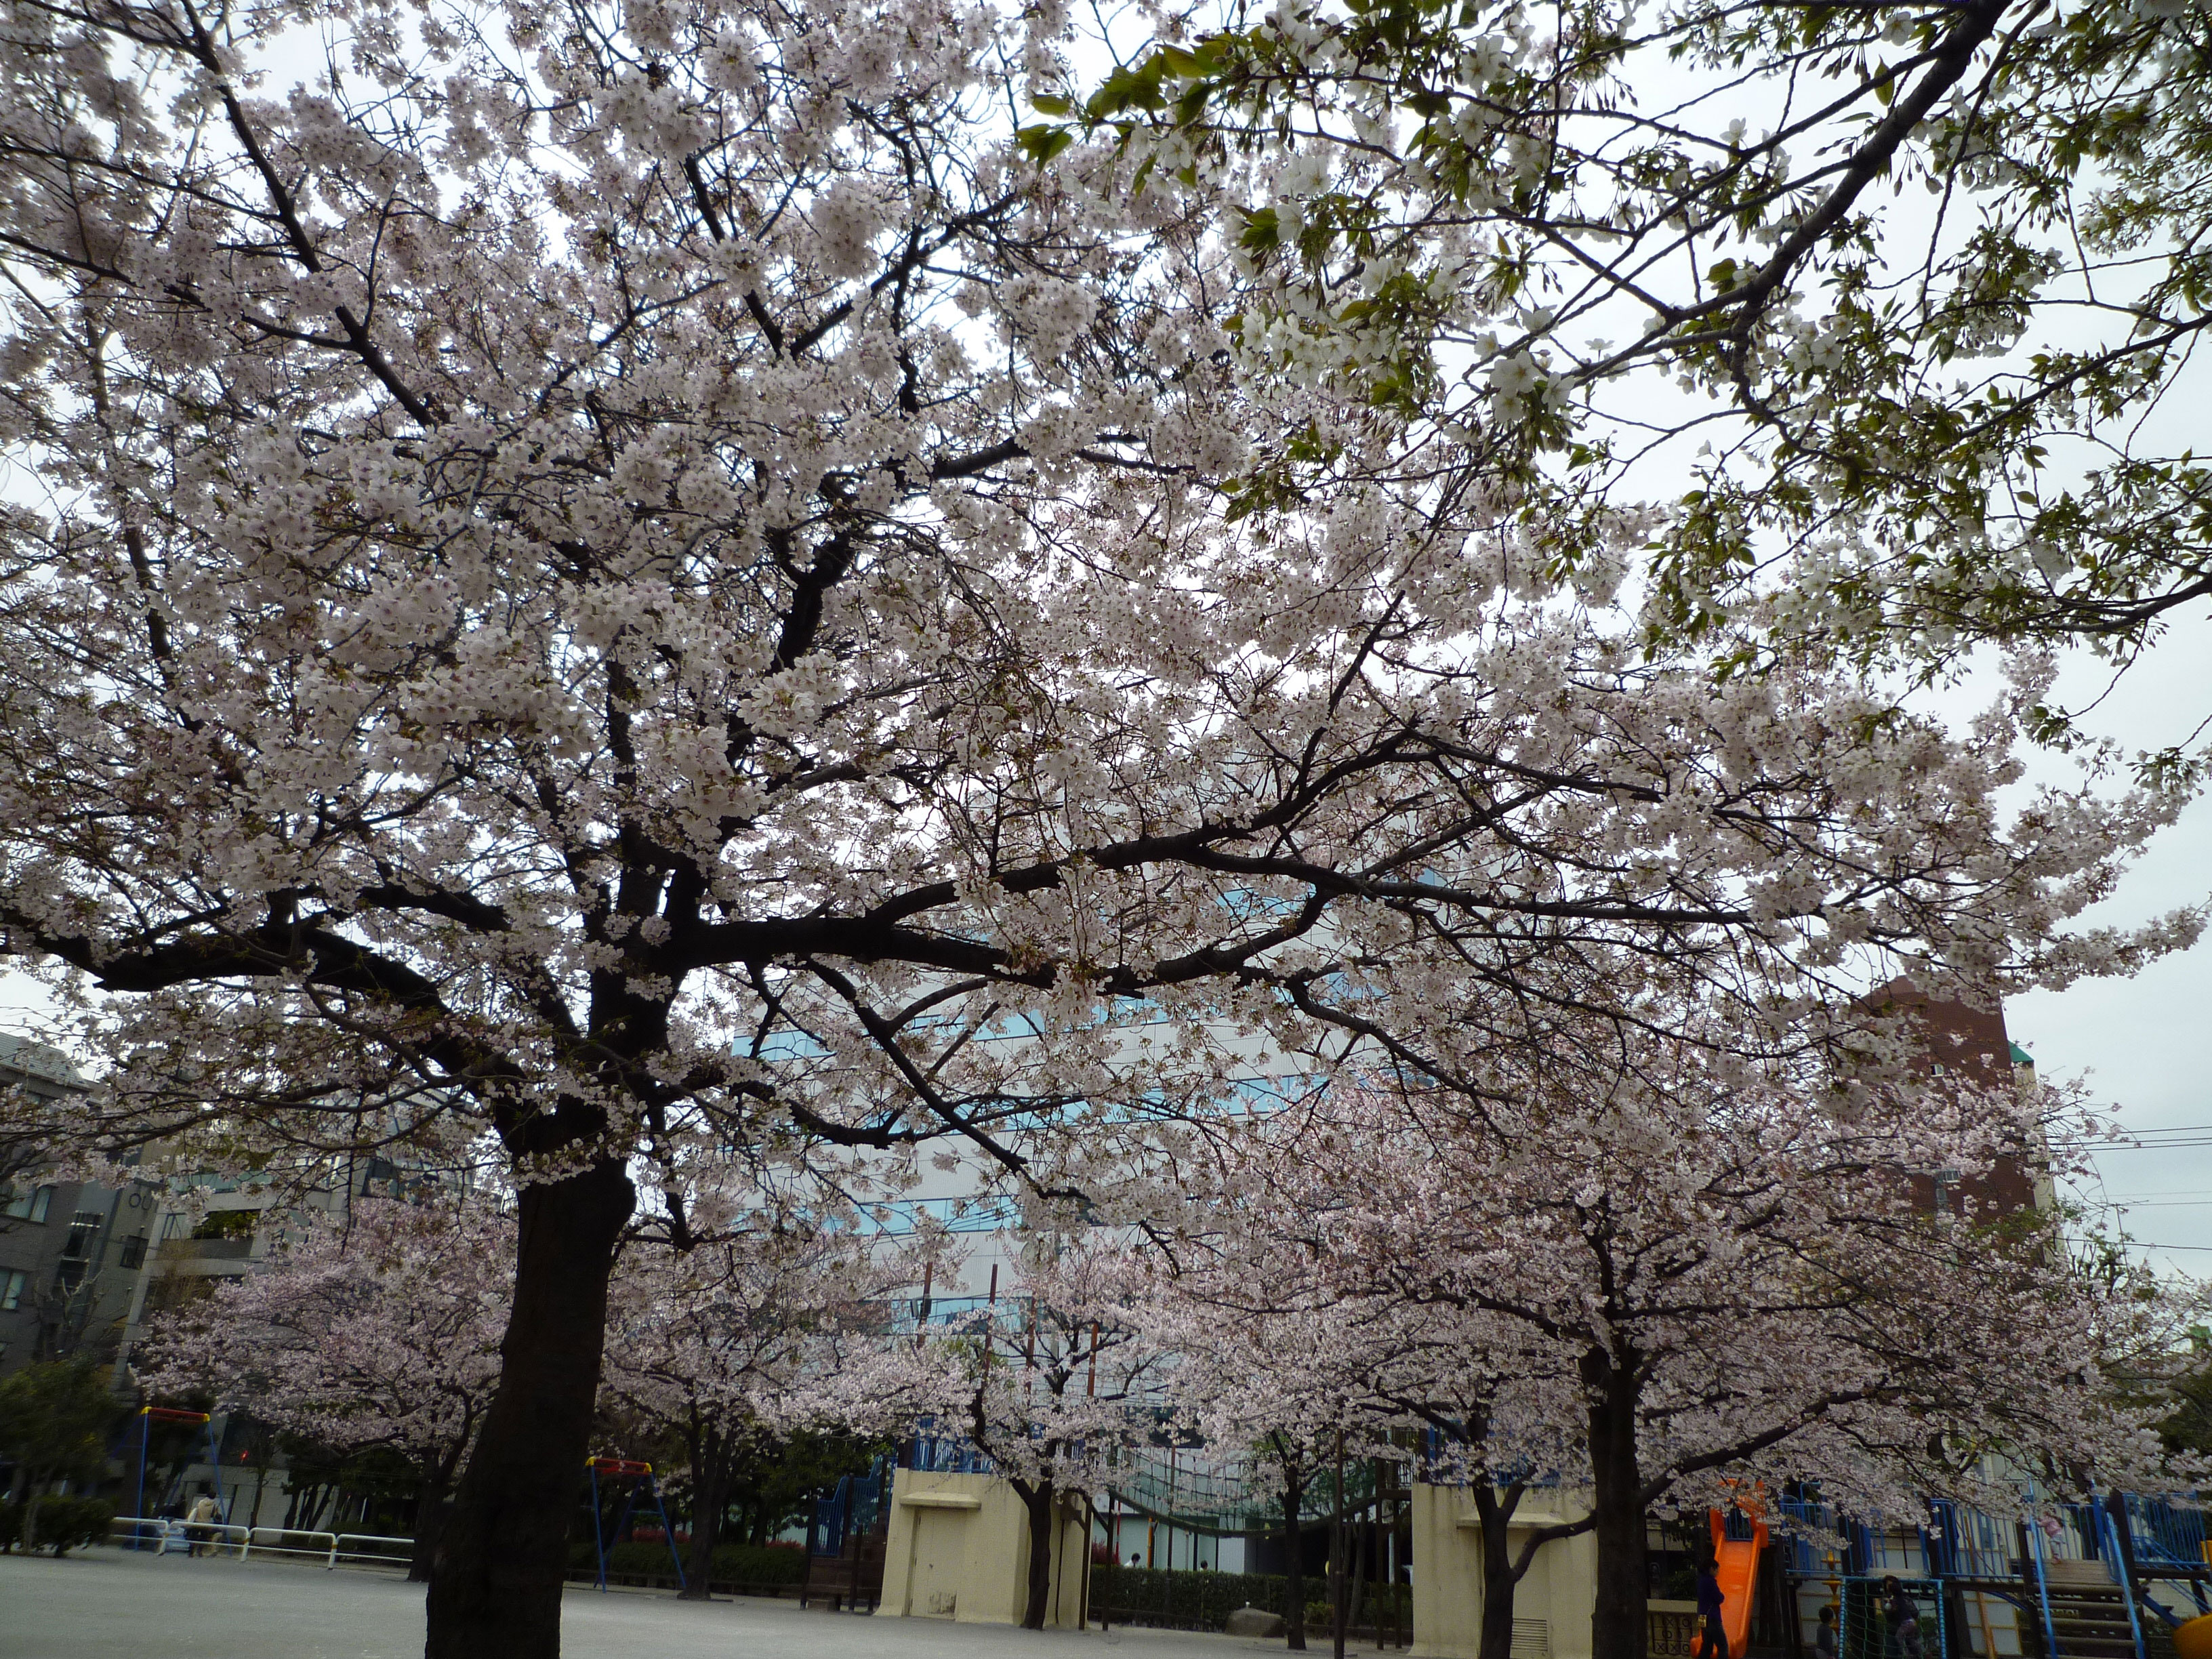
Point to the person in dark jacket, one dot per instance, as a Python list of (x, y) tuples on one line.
[(1903, 1616), (1712, 1640)]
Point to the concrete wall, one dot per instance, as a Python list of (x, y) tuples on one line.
[(958, 1549), (1551, 1606)]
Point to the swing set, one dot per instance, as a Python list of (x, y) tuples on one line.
[(641, 1477), (148, 1416)]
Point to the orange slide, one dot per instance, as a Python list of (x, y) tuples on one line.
[(1736, 1564)]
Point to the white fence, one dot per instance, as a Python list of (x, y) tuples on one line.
[(169, 1536)]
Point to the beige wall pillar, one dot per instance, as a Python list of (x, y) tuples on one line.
[(1551, 1606), (958, 1549)]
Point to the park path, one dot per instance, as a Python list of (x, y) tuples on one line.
[(105, 1604)]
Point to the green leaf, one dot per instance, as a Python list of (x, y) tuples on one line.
[(1041, 144)]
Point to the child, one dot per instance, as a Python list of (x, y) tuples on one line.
[(1908, 1634), (1824, 1643)]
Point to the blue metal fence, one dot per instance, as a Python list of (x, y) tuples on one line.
[(855, 1506), (2166, 1531), (946, 1453)]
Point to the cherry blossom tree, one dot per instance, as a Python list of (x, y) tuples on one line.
[(1277, 1349), (643, 578), (772, 1323), (1671, 1270), (1272, 1363), (1046, 1382), (381, 1330)]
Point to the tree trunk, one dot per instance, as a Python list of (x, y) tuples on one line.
[(430, 1521), (496, 1593), (31, 1521), (1294, 1587), (1500, 1581), (709, 1486), (1620, 1622), (1340, 1602), (1037, 1497), (1360, 1545)]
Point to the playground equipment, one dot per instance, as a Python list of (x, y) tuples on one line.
[(625, 1468), (147, 1417), (1738, 1537), (2193, 1640), (845, 1541)]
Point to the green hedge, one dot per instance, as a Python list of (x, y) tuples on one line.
[(64, 1523), (1204, 1601), (1183, 1601), (307, 1543), (734, 1563)]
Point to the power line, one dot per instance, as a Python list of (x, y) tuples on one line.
[(2101, 1146)]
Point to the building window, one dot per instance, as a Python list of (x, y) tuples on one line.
[(1946, 1187), (30, 1206), (68, 1276), (11, 1291), (84, 1227), (134, 1252)]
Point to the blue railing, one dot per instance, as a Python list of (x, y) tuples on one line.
[(855, 1506), (2116, 1563), (2164, 1532), (2038, 1543), (1969, 1543), (946, 1453), (1806, 1526), (1438, 1463)]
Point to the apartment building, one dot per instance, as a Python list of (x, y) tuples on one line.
[(72, 1252)]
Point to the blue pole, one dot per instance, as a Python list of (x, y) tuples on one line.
[(215, 1460), (598, 1538), (145, 1433), (2042, 1585), (667, 1531), (2120, 1569), (622, 1520)]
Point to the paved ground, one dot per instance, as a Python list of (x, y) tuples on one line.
[(111, 1604)]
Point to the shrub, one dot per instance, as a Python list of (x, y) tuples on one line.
[(759, 1564), (64, 1524), (1181, 1600), (1204, 1601), (734, 1563)]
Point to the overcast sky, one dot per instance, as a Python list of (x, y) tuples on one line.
[(2143, 1043)]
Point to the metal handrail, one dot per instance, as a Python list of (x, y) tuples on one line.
[(330, 1553), (160, 1524), (338, 1548), (329, 1545), (2118, 1568), (2042, 1586)]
